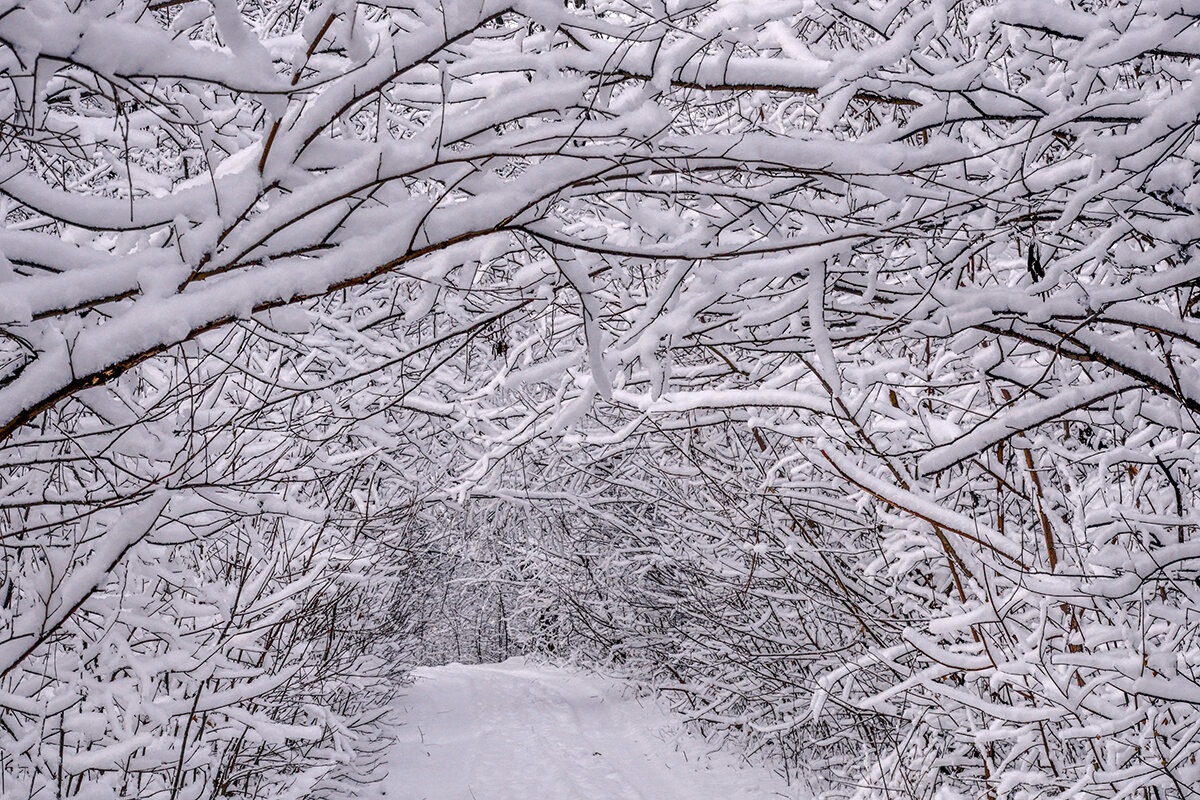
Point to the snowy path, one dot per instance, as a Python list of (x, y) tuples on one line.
[(516, 731)]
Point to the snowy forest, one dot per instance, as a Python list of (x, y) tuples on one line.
[(830, 368)]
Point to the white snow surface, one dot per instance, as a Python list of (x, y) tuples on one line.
[(525, 731)]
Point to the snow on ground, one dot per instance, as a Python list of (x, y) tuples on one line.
[(520, 731)]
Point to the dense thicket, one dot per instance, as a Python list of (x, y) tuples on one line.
[(831, 364)]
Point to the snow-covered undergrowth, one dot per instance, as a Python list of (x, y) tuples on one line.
[(865, 653), (199, 600), (832, 365)]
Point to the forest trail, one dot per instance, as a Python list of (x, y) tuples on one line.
[(519, 731)]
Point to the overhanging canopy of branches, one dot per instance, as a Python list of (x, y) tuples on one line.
[(869, 322)]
